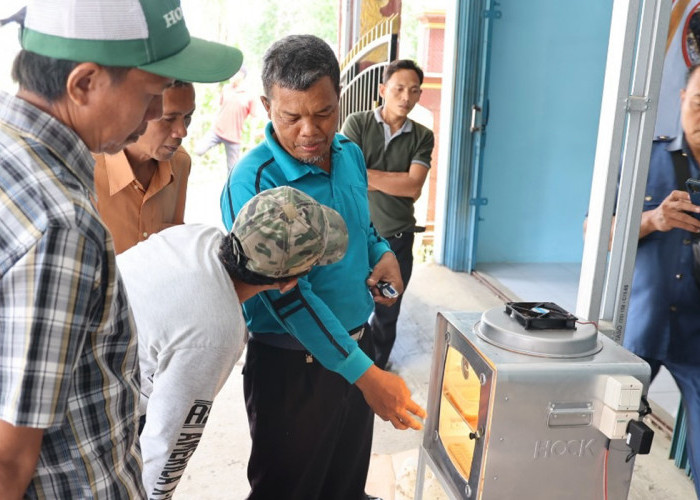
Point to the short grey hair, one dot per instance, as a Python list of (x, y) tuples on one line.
[(47, 77), (297, 62)]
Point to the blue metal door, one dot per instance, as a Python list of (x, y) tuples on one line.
[(469, 119)]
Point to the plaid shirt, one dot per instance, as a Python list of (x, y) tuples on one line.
[(68, 358)]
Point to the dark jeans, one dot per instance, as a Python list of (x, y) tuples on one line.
[(311, 429), (383, 322)]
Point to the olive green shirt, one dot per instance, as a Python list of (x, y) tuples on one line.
[(413, 143)]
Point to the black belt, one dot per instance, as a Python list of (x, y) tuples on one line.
[(414, 229)]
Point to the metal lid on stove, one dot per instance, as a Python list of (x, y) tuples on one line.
[(500, 329)]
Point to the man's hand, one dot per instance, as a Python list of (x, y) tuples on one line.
[(19, 454), (387, 269), (406, 184), (389, 398), (671, 214)]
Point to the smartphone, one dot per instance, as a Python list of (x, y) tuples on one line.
[(387, 290), (693, 187)]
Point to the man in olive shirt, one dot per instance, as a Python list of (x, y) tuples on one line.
[(397, 152)]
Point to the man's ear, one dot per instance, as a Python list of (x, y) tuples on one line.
[(266, 104), (381, 90), (82, 81), (288, 285)]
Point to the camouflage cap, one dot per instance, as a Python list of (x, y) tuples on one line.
[(284, 232)]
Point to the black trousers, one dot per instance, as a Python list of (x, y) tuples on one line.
[(383, 322), (311, 429)]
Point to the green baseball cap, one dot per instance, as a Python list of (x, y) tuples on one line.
[(284, 232), (147, 34)]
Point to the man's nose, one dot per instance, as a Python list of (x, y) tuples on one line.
[(179, 130), (308, 127)]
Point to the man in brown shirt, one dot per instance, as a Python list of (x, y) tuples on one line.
[(141, 190)]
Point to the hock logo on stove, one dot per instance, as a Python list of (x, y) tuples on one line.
[(579, 448)]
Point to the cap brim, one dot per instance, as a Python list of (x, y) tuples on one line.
[(201, 61), (336, 237)]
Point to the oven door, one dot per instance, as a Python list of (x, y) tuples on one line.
[(459, 402)]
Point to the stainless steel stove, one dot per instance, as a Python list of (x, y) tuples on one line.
[(519, 413)]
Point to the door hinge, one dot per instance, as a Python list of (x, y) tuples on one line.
[(474, 127), (638, 103), (478, 201), (493, 12)]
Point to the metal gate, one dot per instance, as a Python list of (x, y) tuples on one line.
[(361, 69)]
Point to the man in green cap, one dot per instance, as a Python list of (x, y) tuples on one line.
[(187, 349), (91, 74)]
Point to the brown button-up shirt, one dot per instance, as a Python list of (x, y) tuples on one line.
[(133, 213)]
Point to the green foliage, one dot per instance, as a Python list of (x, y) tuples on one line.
[(207, 98), (408, 36), (252, 29), (270, 20)]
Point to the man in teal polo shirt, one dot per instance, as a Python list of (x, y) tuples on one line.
[(308, 383), (397, 151)]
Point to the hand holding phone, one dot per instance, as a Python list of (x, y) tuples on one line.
[(693, 187), (387, 290)]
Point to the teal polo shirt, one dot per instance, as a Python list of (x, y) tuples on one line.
[(413, 143), (330, 300)]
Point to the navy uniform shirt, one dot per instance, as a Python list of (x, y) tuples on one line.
[(663, 322)]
